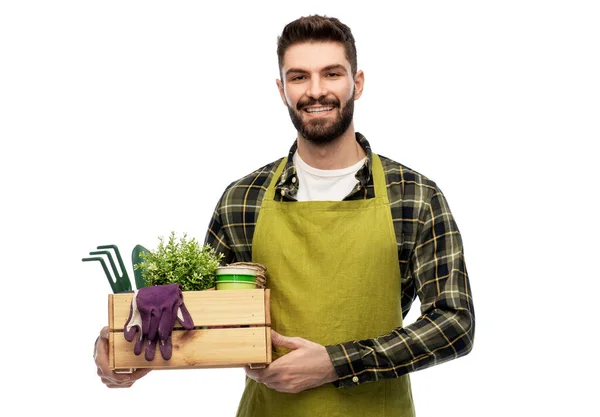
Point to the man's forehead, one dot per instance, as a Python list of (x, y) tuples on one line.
[(313, 56)]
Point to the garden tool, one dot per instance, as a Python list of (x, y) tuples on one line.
[(121, 282), (136, 258)]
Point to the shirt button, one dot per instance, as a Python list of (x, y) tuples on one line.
[(294, 180), (282, 192), (355, 379)]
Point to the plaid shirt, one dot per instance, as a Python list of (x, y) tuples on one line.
[(430, 254)]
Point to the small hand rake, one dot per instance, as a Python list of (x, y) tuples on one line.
[(120, 282)]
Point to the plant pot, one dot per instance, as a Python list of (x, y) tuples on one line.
[(235, 278)]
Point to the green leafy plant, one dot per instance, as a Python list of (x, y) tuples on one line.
[(180, 261)]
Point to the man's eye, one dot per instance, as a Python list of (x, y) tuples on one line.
[(333, 74), (298, 78)]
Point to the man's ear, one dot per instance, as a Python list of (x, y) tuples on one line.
[(281, 91), (359, 84)]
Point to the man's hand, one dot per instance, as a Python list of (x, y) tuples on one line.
[(108, 377), (306, 366)]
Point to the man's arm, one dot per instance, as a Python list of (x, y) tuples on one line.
[(445, 329), (216, 237)]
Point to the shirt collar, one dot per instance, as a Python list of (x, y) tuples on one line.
[(287, 184)]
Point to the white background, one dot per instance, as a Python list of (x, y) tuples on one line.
[(123, 120)]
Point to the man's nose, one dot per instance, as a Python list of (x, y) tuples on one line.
[(317, 88)]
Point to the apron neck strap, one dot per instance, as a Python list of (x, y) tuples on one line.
[(376, 172), (378, 177), (271, 189)]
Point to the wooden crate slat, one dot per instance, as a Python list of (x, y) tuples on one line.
[(269, 348), (207, 308), (199, 348), (111, 350)]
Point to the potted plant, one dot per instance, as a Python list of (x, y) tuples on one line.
[(180, 261)]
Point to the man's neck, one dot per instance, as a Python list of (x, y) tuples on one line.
[(342, 152)]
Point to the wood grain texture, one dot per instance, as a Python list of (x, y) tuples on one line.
[(268, 307), (199, 349), (269, 346), (207, 308), (242, 336), (111, 350)]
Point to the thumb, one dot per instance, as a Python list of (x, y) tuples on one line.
[(284, 341)]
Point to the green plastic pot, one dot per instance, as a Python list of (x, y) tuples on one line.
[(235, 278)]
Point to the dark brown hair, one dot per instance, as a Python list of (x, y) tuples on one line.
[(317, 28)]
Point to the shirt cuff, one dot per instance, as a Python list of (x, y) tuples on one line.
[(348, 365)]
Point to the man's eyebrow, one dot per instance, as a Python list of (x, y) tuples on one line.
[(334, 67), (296, 70)]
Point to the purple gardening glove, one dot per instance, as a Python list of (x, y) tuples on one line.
[(152, 316)]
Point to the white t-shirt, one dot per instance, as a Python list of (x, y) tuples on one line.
[(324, 184)]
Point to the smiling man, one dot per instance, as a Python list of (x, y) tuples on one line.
[(318, 88), (350, 239)]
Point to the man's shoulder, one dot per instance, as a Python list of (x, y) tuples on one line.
[(410, 180), (258, 176), (252, 185)]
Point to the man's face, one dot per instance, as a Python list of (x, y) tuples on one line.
[(319, 90)]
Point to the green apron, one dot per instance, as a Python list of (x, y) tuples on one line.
[(333, 271)]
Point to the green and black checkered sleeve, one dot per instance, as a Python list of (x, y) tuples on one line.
[(445, 328), (231, 229), (216, 236)]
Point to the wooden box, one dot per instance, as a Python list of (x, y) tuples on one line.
[(231, 329)]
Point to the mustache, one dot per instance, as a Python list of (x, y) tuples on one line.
[(321, 100)]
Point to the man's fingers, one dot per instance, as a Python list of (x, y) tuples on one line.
[(138, 373), (251, 373), (104, 333), (256, 374), (120, 386), (101, 343), (112, 379), (110, 383), (108, 377), (283, 341)]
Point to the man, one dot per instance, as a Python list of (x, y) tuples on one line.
[(349, 239)]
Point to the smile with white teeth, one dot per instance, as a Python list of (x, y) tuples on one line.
[(319, 109)]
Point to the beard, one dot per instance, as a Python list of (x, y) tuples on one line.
[(321, 131)]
